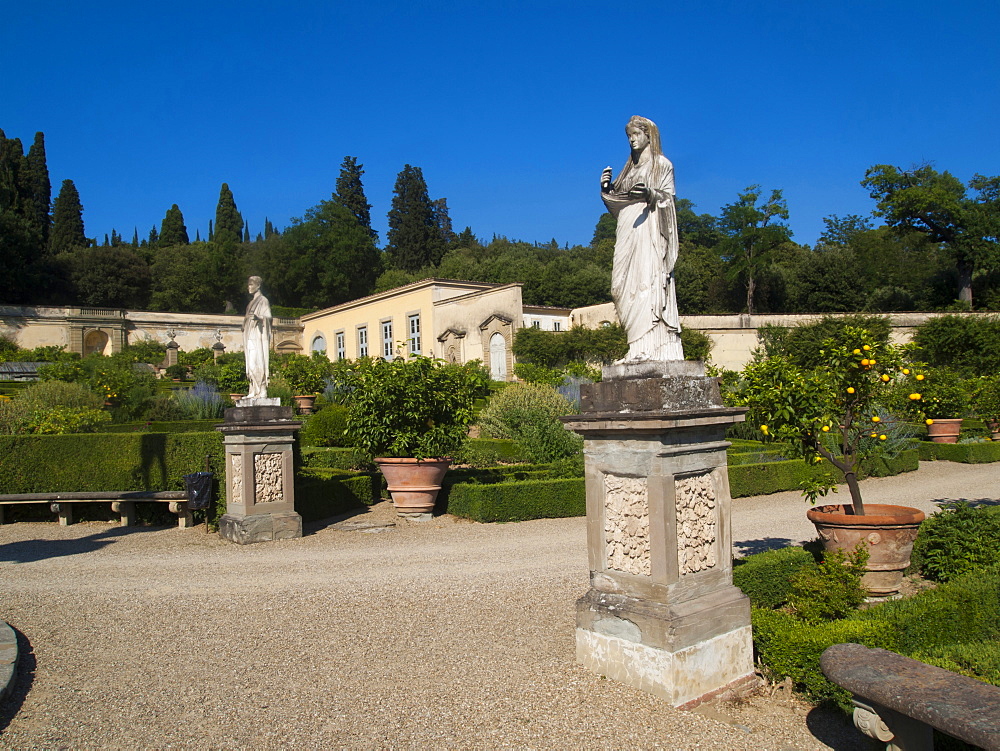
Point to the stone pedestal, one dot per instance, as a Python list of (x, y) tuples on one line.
[(260, 480), (662, 613)]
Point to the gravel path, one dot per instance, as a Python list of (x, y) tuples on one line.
[(442, 634)]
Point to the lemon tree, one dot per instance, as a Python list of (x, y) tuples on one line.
[(832, 412)]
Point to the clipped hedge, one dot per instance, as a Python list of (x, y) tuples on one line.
[(322, 457), (966, 453), (963, 611), (321, 493), (518, 501), (110, 461), (172, 426), (763, 478), (764, 577), (484, 451)]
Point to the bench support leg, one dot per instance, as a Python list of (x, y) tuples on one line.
[(185, 519), (126, 510), (1, 515), (65, 511)]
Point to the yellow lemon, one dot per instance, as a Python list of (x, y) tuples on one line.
[(817, 459), (826, 428), (866, 348), (874, 435), (850, 389), (882, 437), (915, 397), (871, 362), (928, 421), (920, 377), (857, 351), (885, 378), (876, 418), (906, 371), (865, 361)]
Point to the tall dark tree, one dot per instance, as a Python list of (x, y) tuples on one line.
[(20, 235), (414, 239), (172, 229), (753, 231), (228, 221), (41, 187), (67, 220), (324, 259), (154, 237), (350, 194), (443, 220), (938, 205), (227, 235), (113, 277)]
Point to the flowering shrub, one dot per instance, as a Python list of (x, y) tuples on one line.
[(831, 412)]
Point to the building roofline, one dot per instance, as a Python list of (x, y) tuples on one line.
[(478, 292), (411, 287)]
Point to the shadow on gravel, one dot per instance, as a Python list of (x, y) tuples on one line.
[(971, 501), (26, 665), (311, 528), (29, 551), (830, 725), (749, 547)]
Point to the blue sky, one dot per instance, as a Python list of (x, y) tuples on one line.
[(510, 108)]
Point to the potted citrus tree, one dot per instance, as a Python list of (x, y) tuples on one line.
[(306, 376), (833, 416), (410, 416), (986, 403), (943, 403)]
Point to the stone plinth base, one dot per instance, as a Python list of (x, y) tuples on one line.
[(245, 530), (260, 401), (681, 677)]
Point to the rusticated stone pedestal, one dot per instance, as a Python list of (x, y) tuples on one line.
[(662, 613), (260, 481)]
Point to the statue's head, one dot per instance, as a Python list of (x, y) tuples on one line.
[(648, 128), (253, 284)]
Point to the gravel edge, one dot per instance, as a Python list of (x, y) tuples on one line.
[(8, 660)]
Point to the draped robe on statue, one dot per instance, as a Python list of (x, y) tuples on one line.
[(257, 345), (642, 279)]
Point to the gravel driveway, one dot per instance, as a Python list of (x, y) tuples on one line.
[(442, 634)]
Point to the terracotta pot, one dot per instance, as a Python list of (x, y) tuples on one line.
[(413, 483), (305, 404), (888, 530), (945, 430), (994, 426)]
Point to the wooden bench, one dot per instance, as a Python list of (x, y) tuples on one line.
[(122, 503)]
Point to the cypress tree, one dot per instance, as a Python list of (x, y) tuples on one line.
[(246, 231), (197, 235), (414, 239), (41, 187), (443, 221), (67, 220), (228, 222), (172, 229), (135, 237), (154, 237), (350, 194), (211, 232), (20, 235), (107, 242)]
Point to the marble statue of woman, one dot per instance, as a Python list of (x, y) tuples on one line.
[(641, 198), (257, 340)]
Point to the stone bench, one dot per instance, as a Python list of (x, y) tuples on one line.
[(122, 503), (898, 700)]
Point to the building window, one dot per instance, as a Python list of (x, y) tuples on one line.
[(363, 341), (341, 349), (318, 343), (387, 340), (536, 324), (556, 326), (415, 334)]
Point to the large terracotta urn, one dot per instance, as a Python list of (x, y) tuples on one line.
[(944, 430), (413, 483), (888, 531), (305, 403)]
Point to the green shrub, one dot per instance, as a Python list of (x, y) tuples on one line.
[(969, 344), (831, 589), (696, 345), (957, 540), (322, 493), (986, 398), (59, 394), (487, 452), (326, 427), (127, 385), (162, 426), (966, 453), (976, 659), (518, 501), (196, 357), (531, 373), (803, 345), (164, 408), (349, 459), (522, 397), (788, 647), (51, 408), (202, 402), (764, 577), (943, 395)]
